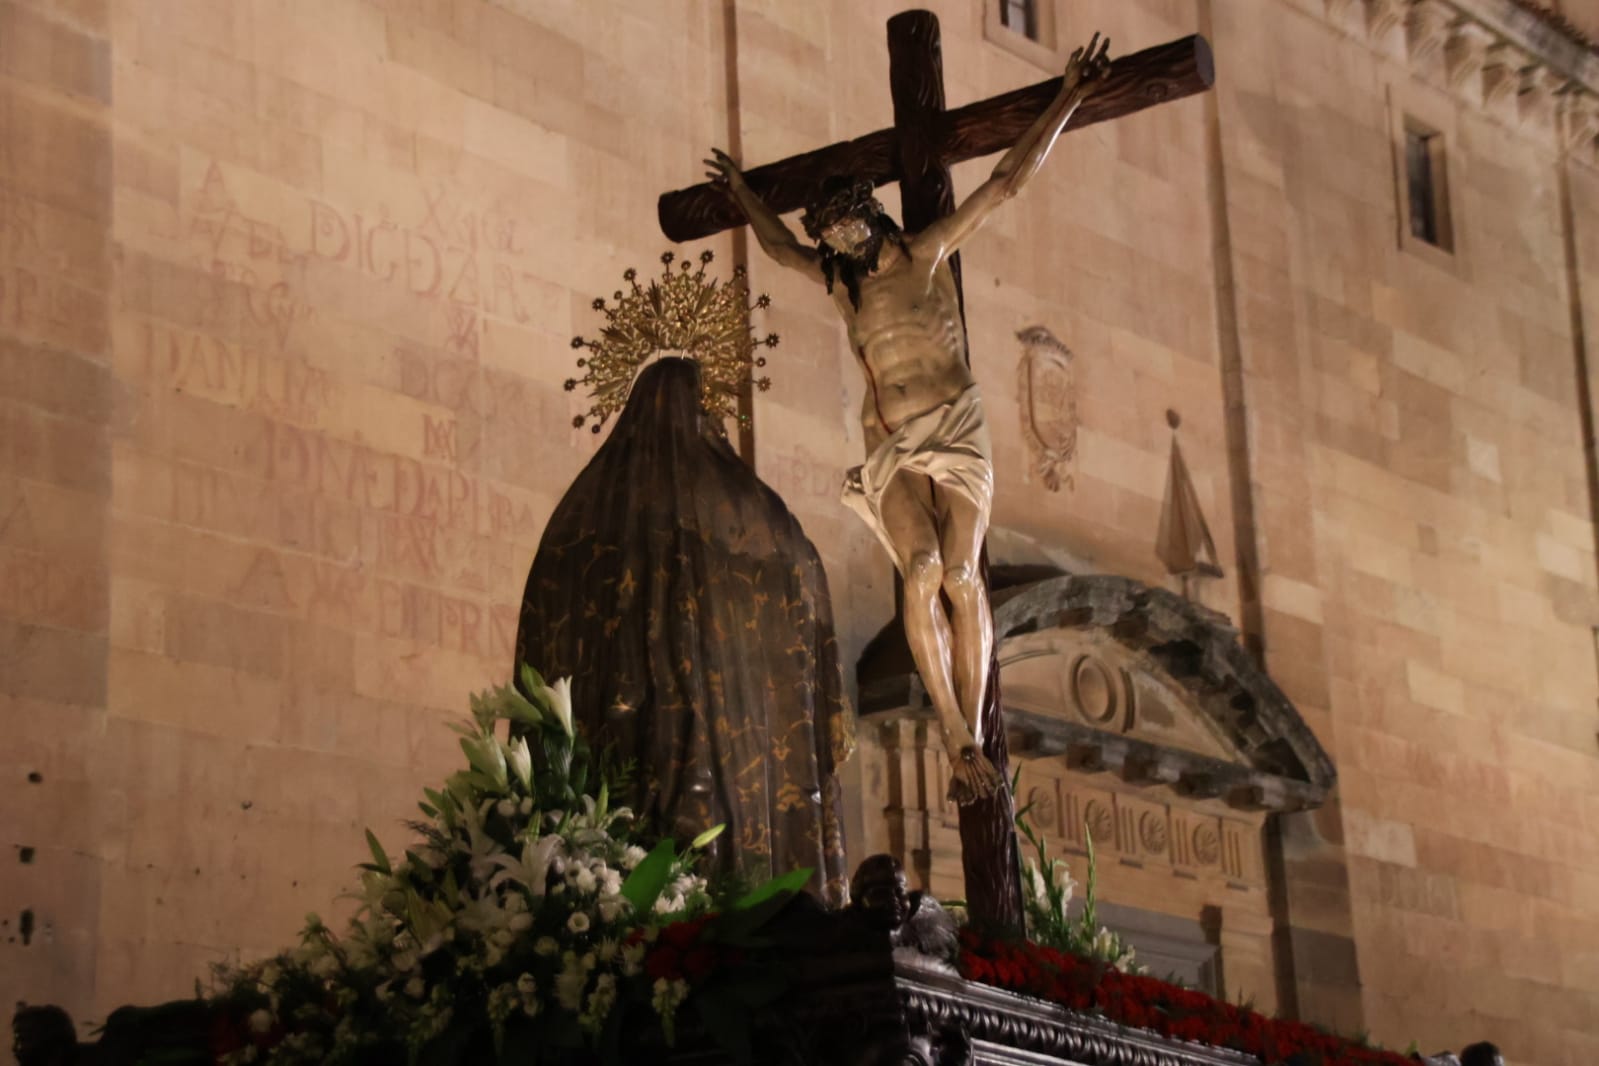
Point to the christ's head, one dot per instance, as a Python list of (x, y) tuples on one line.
[(846, 219), (850, 228)]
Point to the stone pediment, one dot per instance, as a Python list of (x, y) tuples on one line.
[(1117, 677)]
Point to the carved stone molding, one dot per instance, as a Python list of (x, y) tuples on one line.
[(1464, 52), (1426, 27), (1382, 16), (1535, 98), (1274, 761), (1501, 73), (1516, 61), (1578, 113), (1152, 833)]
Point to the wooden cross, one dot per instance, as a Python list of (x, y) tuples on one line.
[(917, 151)]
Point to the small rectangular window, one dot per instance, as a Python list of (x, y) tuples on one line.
[(1426, 188), (1020, 16)]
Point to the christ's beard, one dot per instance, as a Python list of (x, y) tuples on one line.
[(864, 256)]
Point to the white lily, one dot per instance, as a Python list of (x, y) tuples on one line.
[(483, 850), (521, 760), (1035, 880), (532, 870), (559, 698)]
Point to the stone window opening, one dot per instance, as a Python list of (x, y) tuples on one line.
[(1426, 188), (1026, 29), (1020, 16)]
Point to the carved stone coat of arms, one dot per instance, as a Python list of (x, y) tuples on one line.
[(1047, 391)]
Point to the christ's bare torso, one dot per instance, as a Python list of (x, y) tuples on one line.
[(910, 339)]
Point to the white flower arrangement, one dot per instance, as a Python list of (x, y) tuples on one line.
[(517, 913), (1047, 901)]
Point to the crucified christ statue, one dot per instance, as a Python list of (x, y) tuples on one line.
[(927, 485)]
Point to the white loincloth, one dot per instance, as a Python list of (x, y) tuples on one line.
[(949, 445)]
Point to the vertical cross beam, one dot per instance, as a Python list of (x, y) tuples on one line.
[(989, 856)]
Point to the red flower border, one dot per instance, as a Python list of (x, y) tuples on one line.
[(1148, 1003)]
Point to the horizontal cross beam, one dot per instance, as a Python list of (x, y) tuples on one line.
[(1154, 76)]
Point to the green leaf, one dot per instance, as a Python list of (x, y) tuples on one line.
[(379, 858), (487, 758), (519, 710), (788, 883), (643, 886), (743, 928), (706, 837), (532, 680), (480, 782)]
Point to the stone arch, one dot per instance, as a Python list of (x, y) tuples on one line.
[(1134, 715)]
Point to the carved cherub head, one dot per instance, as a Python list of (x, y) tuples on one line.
[(881, 893)]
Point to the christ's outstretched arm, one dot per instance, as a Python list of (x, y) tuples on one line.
[(1087, 67), (776, 239)]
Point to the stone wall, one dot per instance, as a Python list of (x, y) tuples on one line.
[(57, 404), (286, 291), (1417, 445)]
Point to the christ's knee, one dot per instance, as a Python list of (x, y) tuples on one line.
[(924, 573), (963, 585)]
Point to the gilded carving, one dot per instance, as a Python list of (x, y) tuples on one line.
[(1047, 392)]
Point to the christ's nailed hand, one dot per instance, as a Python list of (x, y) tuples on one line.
[(1088, 65), (723, 171)]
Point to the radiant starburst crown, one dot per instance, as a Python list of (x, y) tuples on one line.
[(680, 311)]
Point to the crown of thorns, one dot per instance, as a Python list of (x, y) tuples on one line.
[(848, 200)]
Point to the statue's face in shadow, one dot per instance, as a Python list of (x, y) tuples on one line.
[(882, 892)]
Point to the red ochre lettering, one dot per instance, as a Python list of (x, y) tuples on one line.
[(390, 256), (463, 331), (432, 202), (443, 381), (330, 236), (274, 385), (422, 260), (352, 473), (503, 298), (503, 622), (464, 289), (335, 595), (461, 620), (438, 438), (409, 543), (452, 384), (500, 233)]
